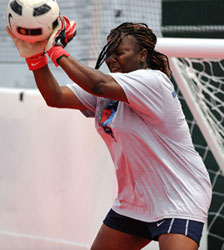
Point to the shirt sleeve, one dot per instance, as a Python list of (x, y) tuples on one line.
[(88, 100), (144, 92)]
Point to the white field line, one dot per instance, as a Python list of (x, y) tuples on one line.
[(38, 237)]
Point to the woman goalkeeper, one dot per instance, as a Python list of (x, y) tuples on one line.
[(164, 191)]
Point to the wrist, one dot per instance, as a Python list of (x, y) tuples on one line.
[(56, 53), (36, 62)]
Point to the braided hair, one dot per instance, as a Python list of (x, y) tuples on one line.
[(145, 39)]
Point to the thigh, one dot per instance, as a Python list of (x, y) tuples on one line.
[(174, 241), (185, 229), (111, 239)]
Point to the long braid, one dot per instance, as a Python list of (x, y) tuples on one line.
[(145, 39)]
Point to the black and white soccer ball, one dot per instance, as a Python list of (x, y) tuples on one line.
[(32, 20)]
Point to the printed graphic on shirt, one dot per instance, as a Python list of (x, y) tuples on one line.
[(107, 116)]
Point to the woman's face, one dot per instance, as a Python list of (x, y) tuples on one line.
[(127, 57)]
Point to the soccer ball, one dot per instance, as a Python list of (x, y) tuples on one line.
[(32, 20)]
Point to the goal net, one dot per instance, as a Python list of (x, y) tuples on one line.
[(197, 65), (198, 72)]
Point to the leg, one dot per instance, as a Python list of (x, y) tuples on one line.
[(110, 239), (176, 242)]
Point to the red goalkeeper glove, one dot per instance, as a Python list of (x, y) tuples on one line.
[(32, 52), (63, 34)]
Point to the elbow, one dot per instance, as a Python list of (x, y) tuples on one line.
[(103, 86), (51, 105), (99, 88), (52, 98), (52, 102)]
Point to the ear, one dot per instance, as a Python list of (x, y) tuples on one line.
[(143, 55)]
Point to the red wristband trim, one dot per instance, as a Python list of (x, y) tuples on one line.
[(36, 62)]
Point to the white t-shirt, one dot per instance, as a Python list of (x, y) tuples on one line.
[(159, 173)]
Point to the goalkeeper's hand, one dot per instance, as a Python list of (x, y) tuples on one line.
[(63, 33), (32, 52)]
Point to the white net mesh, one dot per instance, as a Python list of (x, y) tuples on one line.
[(202, 84), (205, 77), (204, 80)]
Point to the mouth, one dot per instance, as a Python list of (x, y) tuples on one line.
[(114, 69)]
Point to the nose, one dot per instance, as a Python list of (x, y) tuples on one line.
[(111, 58)]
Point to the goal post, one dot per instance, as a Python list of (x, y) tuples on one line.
[(194, 64), (191, 47), (205, 123), (198, 75)]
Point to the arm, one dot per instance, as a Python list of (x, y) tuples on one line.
[(91, 80), (53, 94)]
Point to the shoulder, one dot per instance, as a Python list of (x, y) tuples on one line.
[(142, 80), (143, 75), (146, 72)]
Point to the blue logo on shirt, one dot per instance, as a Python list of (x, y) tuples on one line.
[(174, 94)]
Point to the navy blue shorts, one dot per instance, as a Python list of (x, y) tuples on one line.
[(190, 228)]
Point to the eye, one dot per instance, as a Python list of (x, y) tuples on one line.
[(119, 53), (107, 55)]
